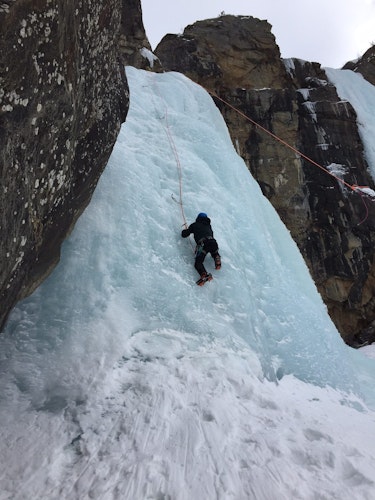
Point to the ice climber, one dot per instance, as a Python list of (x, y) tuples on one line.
[(206, 243)]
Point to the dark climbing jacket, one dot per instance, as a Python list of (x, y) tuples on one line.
[(201, 229)]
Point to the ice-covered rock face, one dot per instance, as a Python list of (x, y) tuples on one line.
[(63, 96), (237, 57)]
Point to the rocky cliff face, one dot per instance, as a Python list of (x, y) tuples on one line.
[(365, 65), (135, 49), (238, 59), (63, 96), (132, 35)]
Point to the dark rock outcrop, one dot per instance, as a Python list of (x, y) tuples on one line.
[(227, 52), (237, 58), (339, 241), (365, 65), (63, 96), (135, 49)]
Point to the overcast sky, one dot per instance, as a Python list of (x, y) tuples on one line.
[(330, 32)]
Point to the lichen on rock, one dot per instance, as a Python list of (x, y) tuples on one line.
[(63, 98)]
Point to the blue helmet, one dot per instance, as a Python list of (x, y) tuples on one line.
[(201, 214)]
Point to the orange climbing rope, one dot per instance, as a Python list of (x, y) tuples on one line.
[(175, 153), (178, 163), (353, 187)]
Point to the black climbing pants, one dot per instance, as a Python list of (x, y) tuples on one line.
[(205, 246)]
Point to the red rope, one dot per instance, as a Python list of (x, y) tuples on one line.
[(178, 162), (274, 136), (366, 207), (175, 152), (353, 188)]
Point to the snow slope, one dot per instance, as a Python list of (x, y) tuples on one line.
[(121, 379)]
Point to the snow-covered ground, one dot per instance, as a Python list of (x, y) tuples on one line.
[(121, 379)]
